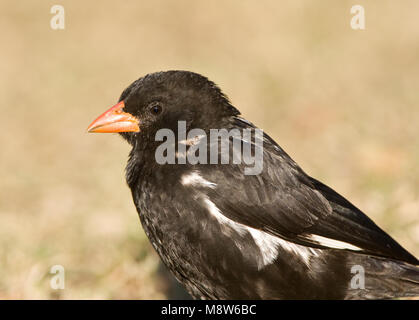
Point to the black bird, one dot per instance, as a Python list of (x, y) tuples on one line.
[(225, 234)]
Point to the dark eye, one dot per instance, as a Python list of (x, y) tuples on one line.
[(156, 108)]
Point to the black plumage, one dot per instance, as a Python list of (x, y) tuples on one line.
[(279, 234)]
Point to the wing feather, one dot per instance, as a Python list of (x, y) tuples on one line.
[(284, 201)]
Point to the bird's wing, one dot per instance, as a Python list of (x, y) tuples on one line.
[(284, 201)]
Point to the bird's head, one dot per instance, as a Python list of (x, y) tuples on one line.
[(159, 100)]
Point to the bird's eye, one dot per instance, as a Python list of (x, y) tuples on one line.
[(156, 108)]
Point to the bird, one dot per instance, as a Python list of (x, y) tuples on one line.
[(275, 233)]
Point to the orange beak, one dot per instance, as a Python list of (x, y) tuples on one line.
[(115, 120)]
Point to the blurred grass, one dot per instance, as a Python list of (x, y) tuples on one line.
[(343, 103)]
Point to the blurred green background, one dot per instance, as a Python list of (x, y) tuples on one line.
[(343, 103)]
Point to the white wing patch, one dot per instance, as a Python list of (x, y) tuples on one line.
[(268, 244), (304, 252), (195, 179), (331, 243), (215, 212)]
